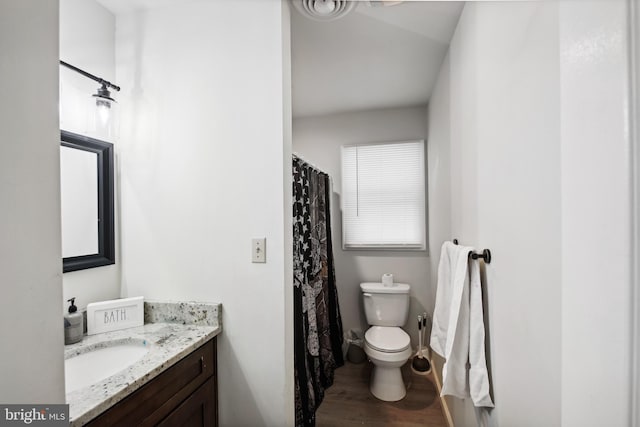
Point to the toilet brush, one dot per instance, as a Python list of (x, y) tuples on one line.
[(419, 336), (419, 365), (424, 350)]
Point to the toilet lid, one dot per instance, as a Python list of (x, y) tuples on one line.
[(387, 339)]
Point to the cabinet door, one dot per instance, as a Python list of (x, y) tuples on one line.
[(198, 410), (158, 398)]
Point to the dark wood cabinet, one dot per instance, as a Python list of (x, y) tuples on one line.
[(197, 410), (183, 395)]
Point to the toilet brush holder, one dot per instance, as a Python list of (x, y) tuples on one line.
[(424, 367), (419, 364)]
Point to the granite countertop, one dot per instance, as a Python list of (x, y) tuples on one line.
[(178, 329)]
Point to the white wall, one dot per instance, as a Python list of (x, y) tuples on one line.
[(318, 140), (506, 195), (289, 365), (518, 205), (203, 149), (439, 174), (440, 209), (634, 109), (31, 322), (539, 174), (596, 233), (87, 41)]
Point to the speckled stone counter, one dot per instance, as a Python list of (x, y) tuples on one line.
[(179, 329), (186, 313)]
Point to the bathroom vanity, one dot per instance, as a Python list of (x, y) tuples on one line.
[(185, 394), (171, 381)]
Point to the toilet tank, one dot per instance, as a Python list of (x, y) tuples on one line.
[(385, 305)]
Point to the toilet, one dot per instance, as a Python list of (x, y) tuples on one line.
[(386, 345)]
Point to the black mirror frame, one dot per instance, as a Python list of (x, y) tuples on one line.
[(106, 234)]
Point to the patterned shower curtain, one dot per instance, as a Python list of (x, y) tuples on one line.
[(317, 323)]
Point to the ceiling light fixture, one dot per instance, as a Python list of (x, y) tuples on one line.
[(103, 95), (324, 10), (376, 3)]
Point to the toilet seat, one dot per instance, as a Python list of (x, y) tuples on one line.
[(387, 339)]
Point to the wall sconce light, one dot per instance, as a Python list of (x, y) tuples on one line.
[(102, 96), (103, 103)]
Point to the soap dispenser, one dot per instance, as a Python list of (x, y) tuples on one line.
[(72, 324)]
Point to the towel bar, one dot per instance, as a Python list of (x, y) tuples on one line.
[(486, 254)]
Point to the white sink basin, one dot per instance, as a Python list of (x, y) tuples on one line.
[(101, 361)]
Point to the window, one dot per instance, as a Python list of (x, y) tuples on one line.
[(383, 196)]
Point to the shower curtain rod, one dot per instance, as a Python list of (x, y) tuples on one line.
[(299, 157)]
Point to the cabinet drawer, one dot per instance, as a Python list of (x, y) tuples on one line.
[(156, 399)]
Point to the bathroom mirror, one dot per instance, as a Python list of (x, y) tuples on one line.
[(86, 183)]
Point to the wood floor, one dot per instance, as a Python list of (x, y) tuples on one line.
[(348, 401)]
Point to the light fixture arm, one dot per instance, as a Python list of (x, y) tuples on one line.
[(91, 76)]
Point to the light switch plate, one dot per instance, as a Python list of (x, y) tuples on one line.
[(259, 250), (115, 314)]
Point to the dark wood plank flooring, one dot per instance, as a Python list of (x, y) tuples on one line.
[(348, 402)]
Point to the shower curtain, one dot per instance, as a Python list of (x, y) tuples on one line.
[(317, 323)]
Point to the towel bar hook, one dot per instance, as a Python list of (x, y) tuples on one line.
[(486, 254)]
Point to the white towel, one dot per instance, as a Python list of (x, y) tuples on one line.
[(458, 326), (478, 374), (444, 294)]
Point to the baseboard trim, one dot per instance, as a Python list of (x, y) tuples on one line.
[(443, 401)]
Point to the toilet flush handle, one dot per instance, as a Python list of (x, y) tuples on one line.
[(367, 294)]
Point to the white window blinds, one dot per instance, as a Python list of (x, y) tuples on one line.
[(383, 196)]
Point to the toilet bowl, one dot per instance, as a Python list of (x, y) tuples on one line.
[(385, 343), (388, 348)]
